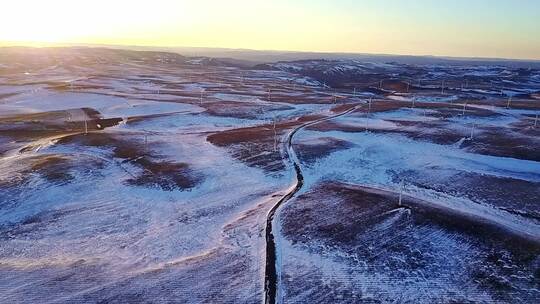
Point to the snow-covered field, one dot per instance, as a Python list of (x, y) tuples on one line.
[(147, 177)]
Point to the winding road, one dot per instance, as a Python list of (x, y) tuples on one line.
[(271, 273)]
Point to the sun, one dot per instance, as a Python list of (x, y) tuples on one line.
[(68, 20), (97, 21), (39, 21)]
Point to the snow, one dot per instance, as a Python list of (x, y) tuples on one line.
[(376, 159), (112, 238), (412, 114), (420, 98), (108, 106)]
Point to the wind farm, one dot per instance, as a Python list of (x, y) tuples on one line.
[(151, 173)]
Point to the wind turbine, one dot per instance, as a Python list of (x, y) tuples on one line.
[(368, 114), (401, 186), (145, 140), (275, 133), (472, 132), (442, 87)]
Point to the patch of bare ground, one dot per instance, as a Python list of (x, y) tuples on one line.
[(258, 146), (428, 252), (68, 87), (442, 109), (528, 125), (431, 131), (41, 171), (166, 175), (133, 120), (156, 170), (53, 123), (382, 106), (504, 143), (309, 151), (395, 85), (362, 206), (305, 97), (515, 103), (6, 95), (54, 168), (342, 108), (513, 195), (455, 110), (5, 144), (240, 109)]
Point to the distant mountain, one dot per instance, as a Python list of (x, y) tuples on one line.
[(247, 57)]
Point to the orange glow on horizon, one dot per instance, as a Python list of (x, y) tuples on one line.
[(339, 26)]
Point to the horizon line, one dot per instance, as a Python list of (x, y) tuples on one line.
[(32, 44)]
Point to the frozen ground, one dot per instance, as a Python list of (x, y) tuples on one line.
[(147, 177)]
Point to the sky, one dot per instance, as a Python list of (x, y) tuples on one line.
[(462, 28)]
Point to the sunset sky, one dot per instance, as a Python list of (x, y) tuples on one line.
[(470, 28)]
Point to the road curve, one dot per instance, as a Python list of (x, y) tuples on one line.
[(271, 280)]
